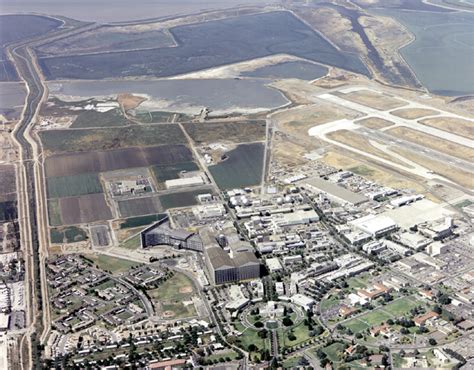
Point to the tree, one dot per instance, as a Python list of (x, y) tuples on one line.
[(287, 321), (432, 342), (252, 347), (258, 324), (303, 361)]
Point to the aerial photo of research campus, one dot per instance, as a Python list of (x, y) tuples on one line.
[(236, 184)]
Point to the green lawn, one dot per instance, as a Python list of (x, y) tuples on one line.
[(301, 333), (401, 307), (231, 354), (335, 351), (375, 317), (357, 282), (292, 362), (132, 243), (112, 264), (329, 302), (356, 325), (250, 336)]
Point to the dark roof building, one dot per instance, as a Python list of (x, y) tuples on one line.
[(161, 233), (240, 263)]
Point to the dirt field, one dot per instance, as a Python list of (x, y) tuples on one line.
[(374, 123), (297, 121), (235, 132), (456, 175), (110, 160), (299, 92), (414, 113), (289, 153), (456, 126), (129, 101), (433, 142), (57, 141), (372, 99), (84, 209), (335, 27), (371, 172), (360, 142)]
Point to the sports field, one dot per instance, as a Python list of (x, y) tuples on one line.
[(172, 297)]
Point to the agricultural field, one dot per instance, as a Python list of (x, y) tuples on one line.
[(7, 183), (68, 164), (54, 212), (182, 199), (139, 206), (205, 45), (84, 209), (174, 297), (70, 234), (163, 173), (457, 126), (235, 132), (70, 186), (243, 167), (59, 141), (8, 210), (92, 118)]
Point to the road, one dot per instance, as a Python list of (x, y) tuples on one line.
[(27, 193), (31, 197)]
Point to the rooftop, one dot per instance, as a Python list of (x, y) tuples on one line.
[(335, 190)]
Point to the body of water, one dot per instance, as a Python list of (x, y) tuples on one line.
[(107, 11), (442, 55), (243, 167), (301, 70), (188, 96)]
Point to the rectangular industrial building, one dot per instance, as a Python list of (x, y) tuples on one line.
[(375, 225), (185, 181), (334, 191), (229, 267)]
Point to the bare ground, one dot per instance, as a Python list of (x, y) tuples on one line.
[(414, 113), (454, 125), (374, 123), (433, 142)]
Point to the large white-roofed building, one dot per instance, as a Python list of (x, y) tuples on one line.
[(375, 225)]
